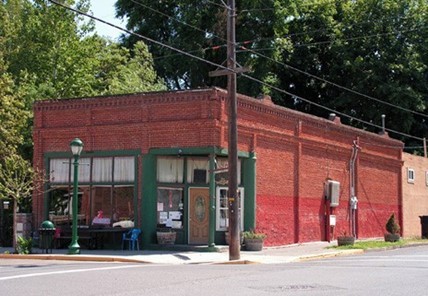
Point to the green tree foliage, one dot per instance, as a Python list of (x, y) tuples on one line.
[(374, 47), (50, 52), (13, 116), (56, 55)]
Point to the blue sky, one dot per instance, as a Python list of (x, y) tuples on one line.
[(104, 9)]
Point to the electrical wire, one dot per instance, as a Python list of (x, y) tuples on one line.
[(225, 68), (297, 69)]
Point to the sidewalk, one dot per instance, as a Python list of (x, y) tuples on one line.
[(269, 255)]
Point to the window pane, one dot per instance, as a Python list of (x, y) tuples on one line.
[(123, 204), (101, 205), (222, 177), (61, 209), (124, 169), (170, 170), (102, 169), (84, 170), (222, 208), (197, 170), (58, 170), (170, 208)]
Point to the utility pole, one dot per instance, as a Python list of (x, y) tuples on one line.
[(233, 194)]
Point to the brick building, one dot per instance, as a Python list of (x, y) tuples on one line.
[(151, 158)]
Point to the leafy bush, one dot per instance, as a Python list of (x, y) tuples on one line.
[(392, 226), (252, 234), (24, 245)]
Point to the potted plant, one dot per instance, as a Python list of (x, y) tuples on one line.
[(393, 230), (345, 240), (253, 240)]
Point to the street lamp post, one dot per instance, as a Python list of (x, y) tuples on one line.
[(76, 148)]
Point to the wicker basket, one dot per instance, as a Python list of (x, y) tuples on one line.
[(166, 238)]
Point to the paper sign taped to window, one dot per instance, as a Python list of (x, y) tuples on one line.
[(160, 206), (175, 215)]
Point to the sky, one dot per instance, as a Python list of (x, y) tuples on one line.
[(104, 9)]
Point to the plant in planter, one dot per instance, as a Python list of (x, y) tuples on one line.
[(393, 230), (345, 240), (253, 240)]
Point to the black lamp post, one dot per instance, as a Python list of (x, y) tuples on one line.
[(76, 148)]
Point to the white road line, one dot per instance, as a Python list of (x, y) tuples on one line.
[(68, 271)]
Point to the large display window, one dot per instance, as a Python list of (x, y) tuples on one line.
[(107, 191)]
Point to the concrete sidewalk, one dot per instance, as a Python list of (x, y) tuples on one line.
[(269, 255)]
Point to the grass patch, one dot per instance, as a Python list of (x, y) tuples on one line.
[(378, 244)]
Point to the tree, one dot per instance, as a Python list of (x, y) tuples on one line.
[(53, 53), (50, 52), (17, 179), (375, 48), (12, 116)]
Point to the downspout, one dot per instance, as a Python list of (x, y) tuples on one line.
[(353, 200)]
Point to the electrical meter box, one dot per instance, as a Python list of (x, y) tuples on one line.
[(333, 192)]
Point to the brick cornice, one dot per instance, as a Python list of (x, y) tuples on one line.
[(139, 100)]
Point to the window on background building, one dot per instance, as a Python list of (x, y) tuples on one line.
[(170, 207), (170, 169), (410, 175), (107, 192), (222, 209), (426, 178)]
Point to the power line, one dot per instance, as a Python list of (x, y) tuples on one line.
[(225, 68), (297, 69), (324, 107)]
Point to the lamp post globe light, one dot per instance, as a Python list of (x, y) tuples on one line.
[(76, 148)]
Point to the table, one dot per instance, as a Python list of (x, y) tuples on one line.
[(95, 237)]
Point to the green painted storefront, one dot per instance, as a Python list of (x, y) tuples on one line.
[(146, 188)]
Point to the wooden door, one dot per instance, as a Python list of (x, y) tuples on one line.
[(198, 215)]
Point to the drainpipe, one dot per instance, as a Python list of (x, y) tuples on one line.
[(353, 200)]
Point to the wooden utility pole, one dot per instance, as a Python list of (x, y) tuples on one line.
[(233, 194)]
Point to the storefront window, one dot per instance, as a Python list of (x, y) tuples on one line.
[(123, 207), (170, 169), (60, 205), (170, 208), (222, 212), (102, 169), (113, 202), (222, 175), (197, 170)]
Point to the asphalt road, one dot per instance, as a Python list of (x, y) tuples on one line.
[(394, 272)]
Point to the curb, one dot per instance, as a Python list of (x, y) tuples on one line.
[(72, 258), (330, 255)]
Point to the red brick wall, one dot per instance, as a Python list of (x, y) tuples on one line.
[(295, 152)]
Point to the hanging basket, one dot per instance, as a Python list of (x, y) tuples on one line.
[(166, 238)]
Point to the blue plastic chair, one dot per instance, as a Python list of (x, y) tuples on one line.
[(132, 238)]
